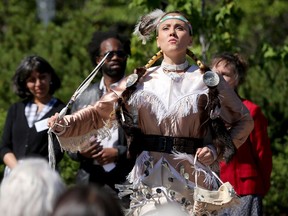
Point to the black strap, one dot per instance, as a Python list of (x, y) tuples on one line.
[(167, 144)]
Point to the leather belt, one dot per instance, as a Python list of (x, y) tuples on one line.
[(167, 144)]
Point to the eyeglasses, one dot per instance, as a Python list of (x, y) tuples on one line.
[(119, 54)]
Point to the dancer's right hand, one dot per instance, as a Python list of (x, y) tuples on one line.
[(55, 124)]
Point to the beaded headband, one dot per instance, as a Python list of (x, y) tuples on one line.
[(179, 17), (149, 23)]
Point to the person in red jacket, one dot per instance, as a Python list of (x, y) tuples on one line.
[(250, 169)]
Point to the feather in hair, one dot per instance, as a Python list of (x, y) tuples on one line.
[(147, 24)]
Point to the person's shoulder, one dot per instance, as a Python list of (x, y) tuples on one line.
[(193, 72), (193, 68), (17, 107), (153, 69), (151, 72), (59, 103), (91, 91), (93, 86), (19, 104), (249, 103), (251, 106)]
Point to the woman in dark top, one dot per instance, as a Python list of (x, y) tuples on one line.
[(25, 130)]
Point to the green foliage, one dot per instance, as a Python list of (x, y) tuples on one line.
[(2, 119), (2, 122), (267, 86), (68, 169), (276, 202)]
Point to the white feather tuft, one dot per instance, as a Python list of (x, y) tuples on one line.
[(147, 24)]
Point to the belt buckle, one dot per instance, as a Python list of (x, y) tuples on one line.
[(178, 145)]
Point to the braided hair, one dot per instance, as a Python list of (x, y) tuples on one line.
[(221, 138)]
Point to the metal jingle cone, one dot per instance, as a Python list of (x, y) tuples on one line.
[(131, 80), (211, 78)]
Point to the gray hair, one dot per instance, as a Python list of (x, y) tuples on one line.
[(30, 189)]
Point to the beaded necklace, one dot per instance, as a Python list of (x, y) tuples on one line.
[(167, 68)]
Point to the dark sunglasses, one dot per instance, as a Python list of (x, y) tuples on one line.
[(119, 54)]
